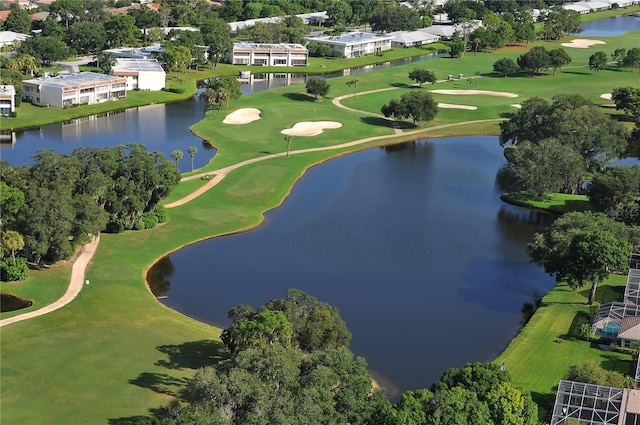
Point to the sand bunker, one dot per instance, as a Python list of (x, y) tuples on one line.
[(242, 116), (452, 106), (582, 43), (606, 96), (516, 105), (310, 128), (485, 92)]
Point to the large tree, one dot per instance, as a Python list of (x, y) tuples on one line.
[(534, 60), (393, 17), (582, 248), (505, 66), (417, 105), (421, 76), (627, 99), (216, 34), (317, 87), (616, 192), (558, 58), (547, 166), (86, 37), (45, 49), (269, 379), (18, 20), (598, 61)]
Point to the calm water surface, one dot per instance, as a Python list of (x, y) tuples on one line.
[(427, 266), (610, 27)]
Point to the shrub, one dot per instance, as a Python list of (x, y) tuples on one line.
[(115, 226), (586, 331), (12, 270), (138, 224), (161, 213), (149, 220)]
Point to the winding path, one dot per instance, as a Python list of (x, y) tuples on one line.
[(80, 264), (77, 280)]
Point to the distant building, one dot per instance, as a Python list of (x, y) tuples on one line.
[(75, 89), (146, 52), (355, 44), (281, 54), (7, 99), (8, 38), (141, 74), (404, 39)]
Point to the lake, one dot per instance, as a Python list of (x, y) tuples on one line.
[(610, 27), (412, 244)]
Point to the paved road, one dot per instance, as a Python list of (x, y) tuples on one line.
[(73, 66)]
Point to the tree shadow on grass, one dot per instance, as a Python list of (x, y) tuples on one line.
[(579, 319), (191, 355), (160, 383), (545, 404), (402, 85), (377, 121), (299, 97), (131, 420)]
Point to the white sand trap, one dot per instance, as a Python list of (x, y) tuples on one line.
[(606, 96), (516, 105), (242, 116), (485, 92), (452, 106), (310, 128), (582, 43)]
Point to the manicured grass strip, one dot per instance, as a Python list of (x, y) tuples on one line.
[(542, 353), (557, 203)]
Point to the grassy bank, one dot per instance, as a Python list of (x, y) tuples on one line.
[(557, 203), (550, 344), (115, 352)]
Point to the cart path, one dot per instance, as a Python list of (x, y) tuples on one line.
[(80, 264), (75, 285)]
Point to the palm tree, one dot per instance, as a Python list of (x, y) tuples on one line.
[(209, 96), (354, 83), (12, 241), (288, 138), (177, 155), (192, 151)]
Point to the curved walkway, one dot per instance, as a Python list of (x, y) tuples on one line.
[(75, 285), (80, 264)]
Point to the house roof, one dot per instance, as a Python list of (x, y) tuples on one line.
[(4, 14), (630, 328), (124, 65), (440, 30), (412, 36), (11, 36)]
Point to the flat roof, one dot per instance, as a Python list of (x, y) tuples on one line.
[(79, 79), (352, 38), (126, 64)]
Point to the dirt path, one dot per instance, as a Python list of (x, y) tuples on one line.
[(75, 285)]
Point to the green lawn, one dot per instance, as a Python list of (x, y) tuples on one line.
[(549, 345), (557, 203), (115, 352)]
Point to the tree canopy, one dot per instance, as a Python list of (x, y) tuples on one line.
[(422, 76), (317, 87), (417, 105), (582, 248)]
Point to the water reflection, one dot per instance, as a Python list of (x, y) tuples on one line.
[(408, 242)]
